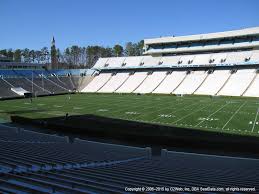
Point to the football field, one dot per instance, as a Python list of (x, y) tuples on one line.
[(221, 114)]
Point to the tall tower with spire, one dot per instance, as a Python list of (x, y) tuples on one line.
[(53, 52)]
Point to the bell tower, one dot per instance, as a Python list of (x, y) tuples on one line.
[(54, 61)]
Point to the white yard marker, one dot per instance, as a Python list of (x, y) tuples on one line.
[(102, 110), (191, 113), (255, 120), (166, 115), (234, 114), (132, 113), (212, 114), (178, 109), (58, 106), (77, 108)]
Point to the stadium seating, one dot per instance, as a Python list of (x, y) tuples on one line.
[(115, 82), (201, 59), (82, 82), (132, 61), (114, 62), (65, 82), (238, 82), (100, 63), (28, 85), (171, 82), (255, 56), (151, 82), (233, 58), (191, 82), (132, 83), (218, 58), (20, 91), (186, 60), (253, 89), (170, 61), (213, 83), (33, 162), (42, 82), (98, 82), (5, 90), (149, 61), (53, 84)]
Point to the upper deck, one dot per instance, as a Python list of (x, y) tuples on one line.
[(245, 39)]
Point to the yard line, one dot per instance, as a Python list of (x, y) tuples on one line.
[(255, 120), (192, 113), (213, 113), (153, 120), (234, 114), (159, 110)]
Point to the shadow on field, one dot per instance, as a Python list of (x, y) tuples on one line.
[(145, 133), (17, 112)]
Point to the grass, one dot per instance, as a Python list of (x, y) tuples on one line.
[(221, 114)]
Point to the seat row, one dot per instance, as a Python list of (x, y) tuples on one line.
[(225, 82)]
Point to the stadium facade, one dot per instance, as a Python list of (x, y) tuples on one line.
[(223, 63)]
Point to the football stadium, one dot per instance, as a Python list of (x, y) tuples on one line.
[(179, 115), (198, 90)]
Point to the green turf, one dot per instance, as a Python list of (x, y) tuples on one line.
[(222, 114)]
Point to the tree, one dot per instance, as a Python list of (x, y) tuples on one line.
[(118, 50), (44, 55), (139, 48), (134, 49), (32, 56), (3, 52), (26, 55), (10, 54), (17, 55), (75, 53), (129, 49), (38, 56), (59, 55), (74, 56)]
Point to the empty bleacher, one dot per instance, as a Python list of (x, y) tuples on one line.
[(132, 61), (214, 82), (42, 82), (115, 82), (238, 82), (133, 82), (169, 61), (151, 82), (31, 162), (98, 82), (114, 62), (193, 80), (171, 82), (253, 88), (149, 61), (5, 90)]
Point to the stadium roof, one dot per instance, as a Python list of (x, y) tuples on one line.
[(198, 37)]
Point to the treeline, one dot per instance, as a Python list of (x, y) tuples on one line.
[(74, 56)]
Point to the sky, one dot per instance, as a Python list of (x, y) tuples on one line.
[(32, 23)]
